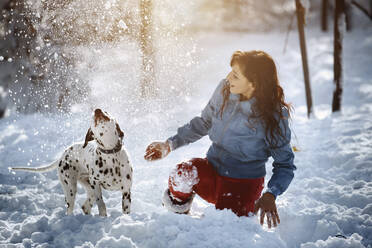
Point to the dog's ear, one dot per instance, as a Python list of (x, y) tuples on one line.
[(88, 137), (121, 133)]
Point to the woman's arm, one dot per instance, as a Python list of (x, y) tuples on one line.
[(282, 171), (194, 130), (283, 160), (282, 175), (199, 125)]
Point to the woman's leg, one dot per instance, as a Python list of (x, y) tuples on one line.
[(239, 195), (198, 176), (194, 176)]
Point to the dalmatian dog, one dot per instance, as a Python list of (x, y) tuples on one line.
[(95, 165)]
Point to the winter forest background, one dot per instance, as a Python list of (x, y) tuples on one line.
[(153, 64), (45, 44)]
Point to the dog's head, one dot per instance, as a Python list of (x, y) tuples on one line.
[(104, 130)]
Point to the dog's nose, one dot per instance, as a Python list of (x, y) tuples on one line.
[(97, 111)]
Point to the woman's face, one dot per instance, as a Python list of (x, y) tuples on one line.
[(239, 84)]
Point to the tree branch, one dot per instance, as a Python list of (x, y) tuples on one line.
[(361, 8)]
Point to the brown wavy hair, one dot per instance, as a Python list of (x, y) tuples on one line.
[(259, 68)]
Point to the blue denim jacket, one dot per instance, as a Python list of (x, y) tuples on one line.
[(239, 148)]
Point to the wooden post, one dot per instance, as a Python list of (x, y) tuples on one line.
[(348, 16), (337, 54), (324, 15), (300, 10), (147, 49)]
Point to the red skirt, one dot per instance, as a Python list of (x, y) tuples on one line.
[(239, 195)]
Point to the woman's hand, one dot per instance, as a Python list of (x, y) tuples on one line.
[(157, 150), (267, 205)]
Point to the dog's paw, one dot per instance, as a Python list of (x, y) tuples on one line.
[(85, 210), (127, 211), (103, 214), (125, 208)]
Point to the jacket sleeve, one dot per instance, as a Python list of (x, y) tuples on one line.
[(199, 125), (283, 166)]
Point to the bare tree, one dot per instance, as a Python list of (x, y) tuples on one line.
[(300, 10), (337, 53), (147, 49), (324, 15), (16, 41)]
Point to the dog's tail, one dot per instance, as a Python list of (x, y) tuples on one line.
[(38, 169)]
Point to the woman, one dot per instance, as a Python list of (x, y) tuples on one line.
[(247, 122)]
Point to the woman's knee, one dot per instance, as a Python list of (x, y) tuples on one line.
[(184, 177)]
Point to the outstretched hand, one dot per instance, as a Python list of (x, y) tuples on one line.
[(157, 150), (267, 205)]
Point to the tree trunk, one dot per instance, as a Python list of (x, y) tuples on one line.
[(324, 15), (147, 49), (300, 22), (337, 53)]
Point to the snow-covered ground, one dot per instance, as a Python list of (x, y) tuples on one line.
[(328, 204)]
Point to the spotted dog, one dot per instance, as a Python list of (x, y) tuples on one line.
[(96, 165)]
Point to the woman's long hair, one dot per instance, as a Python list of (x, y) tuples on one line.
[(259, 68)]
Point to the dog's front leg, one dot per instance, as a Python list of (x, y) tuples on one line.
[(88, 204), (99, 200), (126, 201), (69, 186)]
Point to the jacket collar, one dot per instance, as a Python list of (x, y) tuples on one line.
[(244, 106)]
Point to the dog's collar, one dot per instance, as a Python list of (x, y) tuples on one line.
[(116, 149)]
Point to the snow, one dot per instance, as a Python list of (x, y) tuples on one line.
[(328, 204), (122, 25), (334, 242)]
